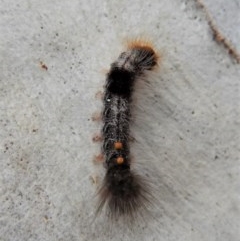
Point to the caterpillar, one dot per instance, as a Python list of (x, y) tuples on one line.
[(123, 191)]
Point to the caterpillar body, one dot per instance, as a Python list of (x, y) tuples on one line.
[(123, 191)]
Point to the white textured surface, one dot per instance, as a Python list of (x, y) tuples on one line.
[(187, 118)]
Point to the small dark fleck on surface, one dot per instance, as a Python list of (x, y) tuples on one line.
[(43, 66)]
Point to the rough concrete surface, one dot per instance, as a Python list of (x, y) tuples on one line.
[(186, 118)]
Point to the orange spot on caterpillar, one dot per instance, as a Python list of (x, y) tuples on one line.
[(118, 145), (120, 160)]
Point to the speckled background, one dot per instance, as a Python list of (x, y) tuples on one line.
[(186, 119)]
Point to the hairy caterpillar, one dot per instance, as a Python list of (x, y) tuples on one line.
[(123, 191)]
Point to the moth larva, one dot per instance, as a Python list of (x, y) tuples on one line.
[(123, 191)]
